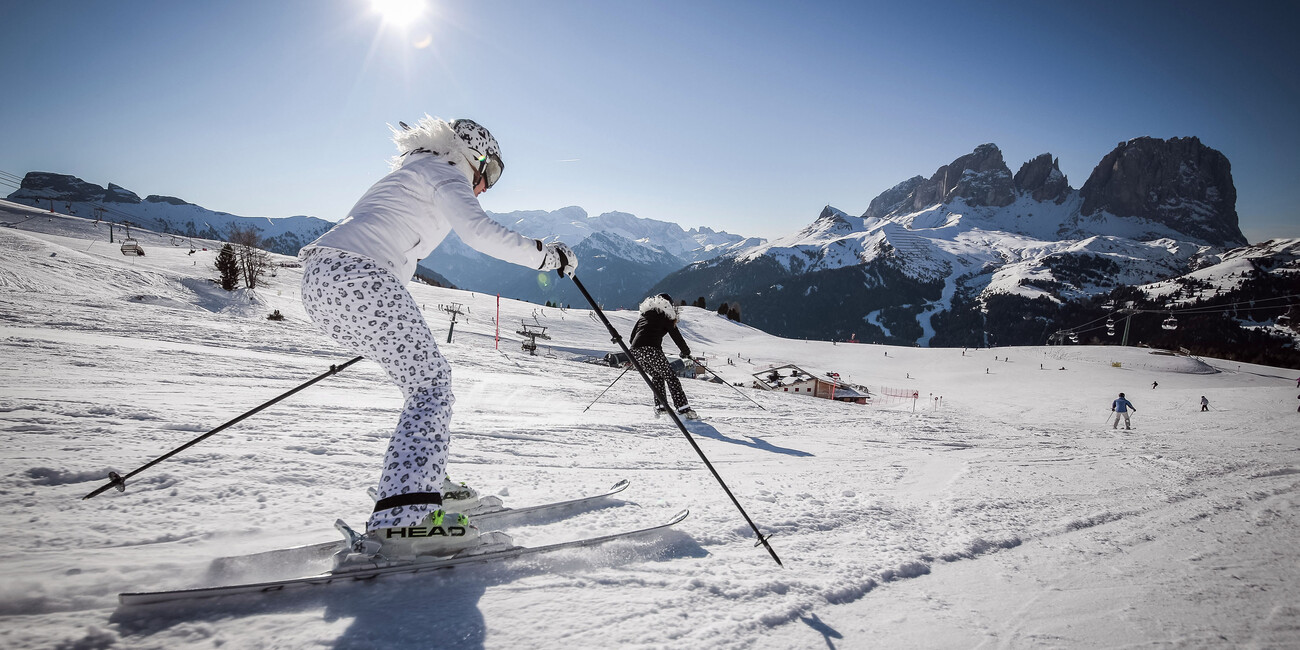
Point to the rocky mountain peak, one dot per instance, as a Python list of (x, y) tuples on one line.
[(980, 178), (169, 200), (894, 198), (118, 194), (831, 221), (1042, 180), (1179, 183)]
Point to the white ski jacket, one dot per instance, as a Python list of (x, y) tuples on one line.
[(403, 217)]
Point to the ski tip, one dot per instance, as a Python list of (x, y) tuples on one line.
[(620, 486), (677, 518)]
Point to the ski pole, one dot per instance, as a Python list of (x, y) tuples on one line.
[(611, 385), (118, 481), (706, 368), (762, 539)]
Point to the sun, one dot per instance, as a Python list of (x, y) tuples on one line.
[(399, 13)]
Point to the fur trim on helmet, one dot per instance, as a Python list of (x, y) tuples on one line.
[(659, 304), (434, 136)]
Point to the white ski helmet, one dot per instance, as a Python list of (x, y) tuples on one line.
[(484, 146)]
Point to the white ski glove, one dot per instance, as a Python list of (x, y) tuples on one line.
[(560, 257)]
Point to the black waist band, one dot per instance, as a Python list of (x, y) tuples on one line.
[(408, 499)]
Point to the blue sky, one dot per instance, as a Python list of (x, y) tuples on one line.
[(741, 116)]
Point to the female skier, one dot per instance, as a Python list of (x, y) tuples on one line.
[(354, 289), (659, 317)]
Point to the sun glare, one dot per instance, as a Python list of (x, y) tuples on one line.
[(400, 13)]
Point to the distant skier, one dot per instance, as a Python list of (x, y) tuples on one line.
[(354, 288), (659, 318), (1205, 404), (1121, 408), (1154, 384)]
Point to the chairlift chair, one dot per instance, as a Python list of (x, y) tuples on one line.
[(1074, 338), (131, 247), (1170, 323)]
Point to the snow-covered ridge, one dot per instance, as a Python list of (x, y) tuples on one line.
[(572, 225)]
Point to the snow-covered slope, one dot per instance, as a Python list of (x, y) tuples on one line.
[(996, 508), (1227, 271)]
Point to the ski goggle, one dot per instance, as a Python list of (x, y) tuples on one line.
[(490, 168)]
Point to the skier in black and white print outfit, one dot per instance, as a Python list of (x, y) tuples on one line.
[(354, 288), (659, 318)]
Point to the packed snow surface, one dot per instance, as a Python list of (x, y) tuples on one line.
[(997, 509)]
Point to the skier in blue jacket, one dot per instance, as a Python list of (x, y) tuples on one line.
[(1121, 407)]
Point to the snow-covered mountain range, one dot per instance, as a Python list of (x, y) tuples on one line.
[(929, 253), (621, 255), (971, 255), (629, 255), (165, 214)]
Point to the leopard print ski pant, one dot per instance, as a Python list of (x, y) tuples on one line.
[(654, 362), (365, 308)]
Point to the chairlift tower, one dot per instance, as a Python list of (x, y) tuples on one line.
[(1128, 310), (452, 310), (532, 333)]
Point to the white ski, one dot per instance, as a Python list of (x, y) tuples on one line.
[(322, 551), (368, 573)]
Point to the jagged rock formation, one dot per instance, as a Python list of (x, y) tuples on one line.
[(1042, 180), (980, 178), (1179, 183), (894, 198)]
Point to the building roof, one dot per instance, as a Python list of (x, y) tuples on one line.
[(790, 374)]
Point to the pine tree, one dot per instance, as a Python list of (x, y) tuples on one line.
[(253, 261), (228, 266)]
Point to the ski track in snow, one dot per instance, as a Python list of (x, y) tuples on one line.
[(1011, 515)]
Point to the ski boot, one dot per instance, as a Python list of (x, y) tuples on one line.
[(460, 497), (439, 534), (687, 413), (660, 411)]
